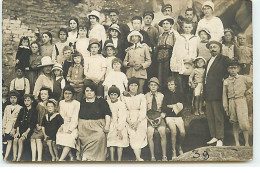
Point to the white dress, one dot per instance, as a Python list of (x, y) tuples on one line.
[(69, 112), (118, 122), (136, 111)]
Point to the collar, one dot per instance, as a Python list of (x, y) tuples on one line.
[(77, 65), (26, 47), (90, 100), (137, 45), (233, 77), (51, 117), (156, 93)]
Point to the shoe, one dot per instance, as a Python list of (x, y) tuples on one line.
[(153, 159), (164, 159), (213, 140), (219, 143)]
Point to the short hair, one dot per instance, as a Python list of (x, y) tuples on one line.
[(24, 38), (186, 22), (63, 30), (171, 79), (117, 60), (90, 84), (49, 34), (113, 10), (137, 18), (66, 48), (5, 86), (76, 20), (68, 88), (49, 93), (76, 54), (241, 34), (190, 9), (19, 67)]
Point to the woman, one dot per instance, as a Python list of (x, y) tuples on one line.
[(46, 78), (96, 30), (74, 29), (94, 123), (68, 133), (46, 48), (136, 118)]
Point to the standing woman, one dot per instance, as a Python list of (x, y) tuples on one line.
[(35, 61), (94, 123), (68, 132), (46, 78), (74, 29), (96, 30), (136, 118), (47, 47)]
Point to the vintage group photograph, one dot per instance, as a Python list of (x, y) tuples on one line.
[(127, 81)]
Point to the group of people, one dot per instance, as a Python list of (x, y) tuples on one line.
[(96, 89)]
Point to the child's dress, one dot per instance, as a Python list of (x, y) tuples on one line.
[(228, 51), (34, 72), (69, 112), (26, 119), (118, 79), (52, 123), (118, 122), (197, 77), (82, 46), (9, 119), (109, 64), (42, 110), (23, 55), (136, 111)]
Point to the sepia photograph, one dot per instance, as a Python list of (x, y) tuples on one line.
[(127, 81)]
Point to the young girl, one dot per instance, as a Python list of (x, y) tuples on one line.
[(47, 47), (196, 81), (59, 82), (68, 133), (35, 61), (24, 125), (10, 116), (136, 118), (82, 42), (228, 41), (73, 34), (117, 136), (203, 51), (109, 52), (37, 136), (50, 125), (57, 55), (116, 77), (95, 66), (76, 75), (23, 54)]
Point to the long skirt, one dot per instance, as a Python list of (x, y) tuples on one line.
[(93, 142), (67, 139)]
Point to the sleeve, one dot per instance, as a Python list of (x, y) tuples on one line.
[(148, 60), (60, 121), (122, 116), (103, 35), (68, 77), (219, 29), (225, 95), (125, 82), (75, 115), (18, 54), (44, 121), (27, 86), (198, 28), (34, 120), (86, 66), (156, 36), (19, 118), (37, 86), (192, 75), (172, 60), (249, 84), (12, 85), (143, 109)]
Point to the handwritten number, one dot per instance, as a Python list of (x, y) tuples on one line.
[(196, 154), (205, 155)]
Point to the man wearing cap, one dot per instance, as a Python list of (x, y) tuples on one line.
[(211, 22), (216, 71), (114, 17)]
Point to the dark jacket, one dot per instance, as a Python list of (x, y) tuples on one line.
[(213, 87)]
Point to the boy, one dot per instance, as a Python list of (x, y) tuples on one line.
[(172, 107), (235, 89), (20, 83), (67, 61), (189, 16), (155, 117), (137, 59), (59, 81), (183, 54), (58, 47), (243, 54), (166, 43)]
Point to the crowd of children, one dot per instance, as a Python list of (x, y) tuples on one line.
[(148, 76)]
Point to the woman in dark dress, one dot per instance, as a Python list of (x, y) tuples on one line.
[(94, 122)]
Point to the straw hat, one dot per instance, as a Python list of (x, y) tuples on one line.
[(169, 18), (114, 27), (214, 42), (93, 41), (155, 80), (46, 61), (134, 33), (200, 57), (57, 66)]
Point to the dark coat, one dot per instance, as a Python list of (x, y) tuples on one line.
[(213, 87)]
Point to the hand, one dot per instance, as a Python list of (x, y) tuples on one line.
[(227, 113), (16, 135), (106, 129), (25, 134), (46, 138), (119, 134), (125, 93), (69, 131), (17, 61), (170, 106), (131, 64), (12, 133)]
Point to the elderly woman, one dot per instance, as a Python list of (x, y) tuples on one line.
[(94, 123), (136, 118), (67, 134)]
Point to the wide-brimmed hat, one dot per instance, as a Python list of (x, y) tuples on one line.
[(205, 30), (109, 44), (169, 18), (93, 41), (148, 13), (177, 108), (200, 57), (57, 66), (94, 13), (155, 80), (114, 27), (46, 61), (208, 3), (214, 42), (134, 33), (166, 6)]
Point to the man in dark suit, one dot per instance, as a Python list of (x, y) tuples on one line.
[(215, 72)]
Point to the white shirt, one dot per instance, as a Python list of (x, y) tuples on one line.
[(20, 84), (94, 65), (82, 46), (212, 59)]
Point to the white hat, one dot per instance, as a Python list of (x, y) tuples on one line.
[(94, 13), (134, 33), (200, 57), (208, 3), (57, 66), (177, 108), (46, 61), (115, 27), (166, 18)]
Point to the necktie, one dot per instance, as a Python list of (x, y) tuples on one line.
[(154, 104)]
